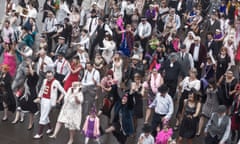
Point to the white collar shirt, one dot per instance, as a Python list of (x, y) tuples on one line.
[(163, 105), (89, 76), (196, 53), (48, 62), (62, 66)]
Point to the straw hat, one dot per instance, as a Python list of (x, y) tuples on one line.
[(135, 57)]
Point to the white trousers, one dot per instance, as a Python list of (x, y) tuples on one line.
[(45, 110)]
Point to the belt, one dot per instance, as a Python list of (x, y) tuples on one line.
[(160, 114)]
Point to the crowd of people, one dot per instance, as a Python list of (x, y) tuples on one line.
[(94, 58)]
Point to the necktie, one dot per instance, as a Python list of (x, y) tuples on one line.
[(58, 48), (90, 26), (182, 56)]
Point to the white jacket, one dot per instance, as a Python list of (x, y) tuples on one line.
[(54, 91)]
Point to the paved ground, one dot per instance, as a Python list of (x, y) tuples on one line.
[(18, 133)]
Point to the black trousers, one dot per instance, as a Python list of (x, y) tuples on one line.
[(156, 121), (92, 50), (172, 85), (211, 140), (199, 70), (49, 42)]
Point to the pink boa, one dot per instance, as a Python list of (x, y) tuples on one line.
[(156, 82), (120, 25)]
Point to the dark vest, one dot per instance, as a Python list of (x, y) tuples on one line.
[(216, 130), (185, 63), (101, 34)]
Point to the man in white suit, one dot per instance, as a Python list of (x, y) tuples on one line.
[(47, 98)]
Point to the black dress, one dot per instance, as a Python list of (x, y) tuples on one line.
[(6, 93), (223, 92), (30, 93), (222, 65), (188, 126), (109, 100), (138, 104)]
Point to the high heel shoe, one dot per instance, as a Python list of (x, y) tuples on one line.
[(21, 120), (52, 136), (31, 127), (4, 118), (15, 122)]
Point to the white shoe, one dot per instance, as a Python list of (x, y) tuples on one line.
[(49, 131), (52, 136), (37, 136)]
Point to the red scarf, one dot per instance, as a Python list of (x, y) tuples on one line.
[(47, 90)]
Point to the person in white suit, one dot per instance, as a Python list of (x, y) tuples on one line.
[(47, 98)]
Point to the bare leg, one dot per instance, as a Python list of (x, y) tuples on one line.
[(5, 115), (98, 141), (189, 141), (16, 117), (71, 136), (30, 124), (57, 128), (201, 122), (21, 116), (180, 140), (86, 140)]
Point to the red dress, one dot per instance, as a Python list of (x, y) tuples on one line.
[(72, 77), (10, 60), (235, 124)]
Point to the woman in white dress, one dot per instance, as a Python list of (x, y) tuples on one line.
[(229, 44), (109, 47), (189, 40), (117, 68), (71, 112)]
